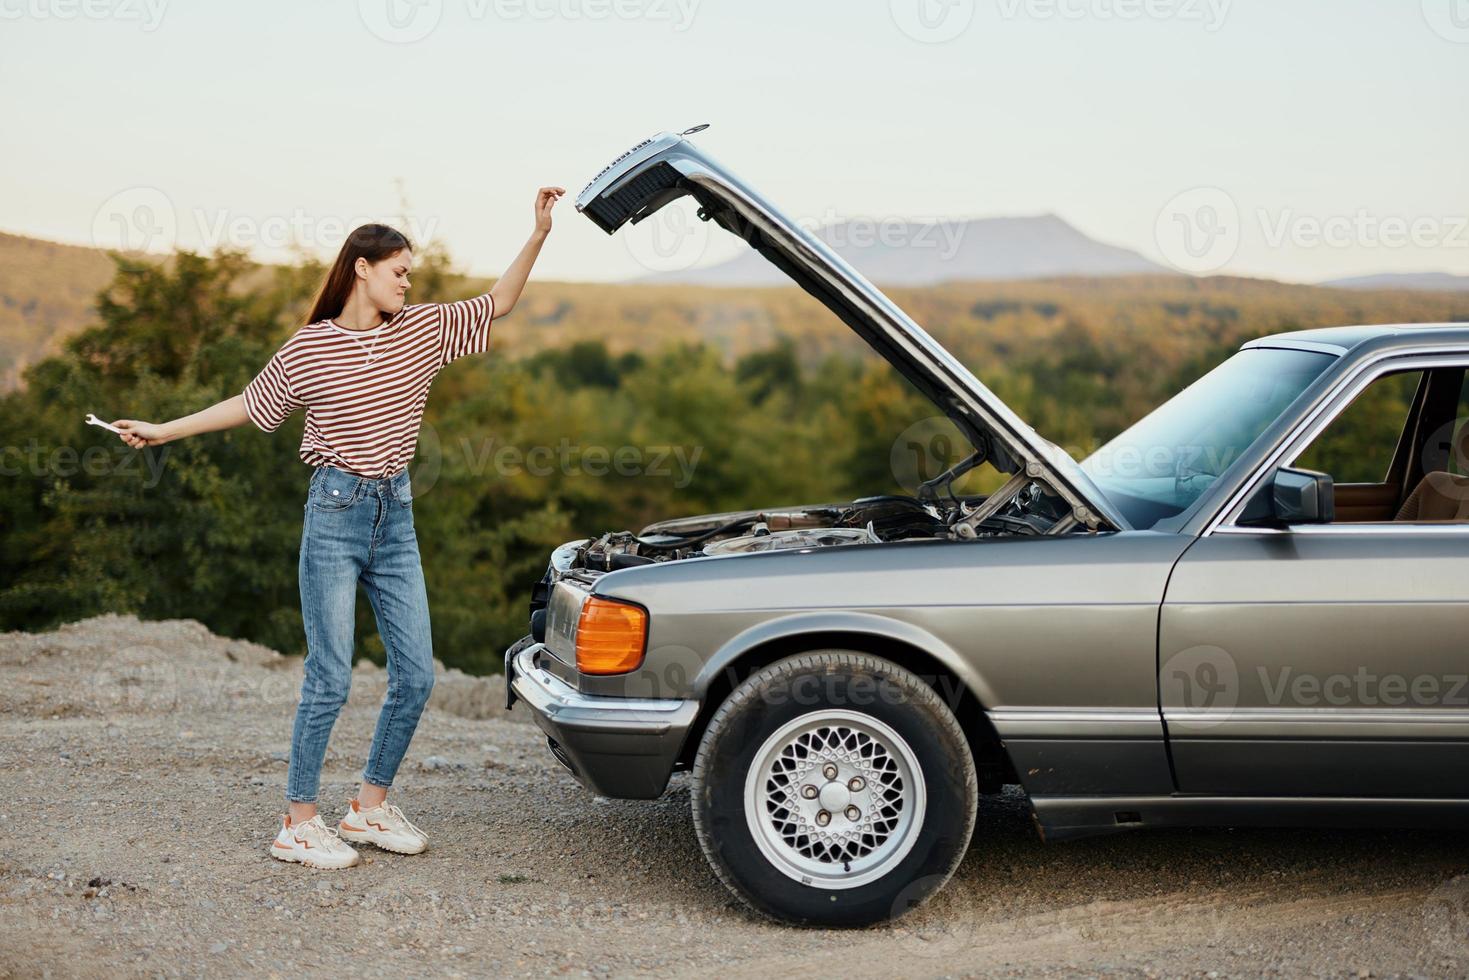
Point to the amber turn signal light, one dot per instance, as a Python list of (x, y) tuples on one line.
[(610, 636)]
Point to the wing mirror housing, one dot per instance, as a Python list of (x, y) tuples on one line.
[(1292, 496)]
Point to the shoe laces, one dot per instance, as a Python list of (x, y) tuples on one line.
[(404, 821), (316, 831)]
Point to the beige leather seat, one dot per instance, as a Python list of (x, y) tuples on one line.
[(1439, 496)]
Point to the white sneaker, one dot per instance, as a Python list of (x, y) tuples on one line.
[(384, 825), (312, 843)]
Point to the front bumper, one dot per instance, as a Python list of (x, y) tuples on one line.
[(617, 747)]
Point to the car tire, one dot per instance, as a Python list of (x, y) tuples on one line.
[(834, 788)]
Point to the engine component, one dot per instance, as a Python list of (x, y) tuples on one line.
[(823, 537)]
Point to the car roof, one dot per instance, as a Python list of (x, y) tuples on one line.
[(1340, 340)]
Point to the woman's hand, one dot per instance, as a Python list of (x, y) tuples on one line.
[(546, 199), (140, 434), (507, 289)]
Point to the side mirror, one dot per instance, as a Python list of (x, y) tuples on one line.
[(1292, 497)]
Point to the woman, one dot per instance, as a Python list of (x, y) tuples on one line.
[(361, 367)]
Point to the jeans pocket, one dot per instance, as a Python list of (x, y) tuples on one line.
[(404, 493), (330, 500), (328, 494)]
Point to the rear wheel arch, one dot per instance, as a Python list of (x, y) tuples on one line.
[(992, 763)]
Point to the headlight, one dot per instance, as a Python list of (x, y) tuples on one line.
[(610, 636)]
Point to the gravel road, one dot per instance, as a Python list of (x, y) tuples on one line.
[(142, 769)]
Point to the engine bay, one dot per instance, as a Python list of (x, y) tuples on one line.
[(1027, 508)]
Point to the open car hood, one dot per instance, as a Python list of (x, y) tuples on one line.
[(668, 166)]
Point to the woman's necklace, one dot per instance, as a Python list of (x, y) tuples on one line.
[(381, 330)]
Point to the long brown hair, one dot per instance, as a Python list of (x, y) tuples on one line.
[(371, 242)]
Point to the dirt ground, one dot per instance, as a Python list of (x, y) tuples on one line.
[(142, 771)]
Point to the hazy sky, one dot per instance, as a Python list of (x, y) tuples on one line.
[(1300, 139)]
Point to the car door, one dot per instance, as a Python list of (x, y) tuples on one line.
[(1330, 659)]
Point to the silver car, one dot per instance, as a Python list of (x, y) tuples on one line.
[(1195, 625)]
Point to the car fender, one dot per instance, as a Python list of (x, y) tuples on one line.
[(814, 623)]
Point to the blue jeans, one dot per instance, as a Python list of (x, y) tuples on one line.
[(358, 529)]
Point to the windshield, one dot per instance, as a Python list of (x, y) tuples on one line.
[(1161, 464)]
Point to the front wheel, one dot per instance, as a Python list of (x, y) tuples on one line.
[(834, 788)]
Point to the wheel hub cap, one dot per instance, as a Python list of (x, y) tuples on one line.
[(835, 798)]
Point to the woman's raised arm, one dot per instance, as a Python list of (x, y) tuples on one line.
[(223, 415), (508, 288)]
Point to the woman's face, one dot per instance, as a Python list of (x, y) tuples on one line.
[(386, 281)]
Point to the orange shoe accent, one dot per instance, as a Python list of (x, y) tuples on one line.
[(355, 830), (284, 847)]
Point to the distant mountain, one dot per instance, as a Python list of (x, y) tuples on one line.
[(1438, 282), (47, 292), (925, 253)]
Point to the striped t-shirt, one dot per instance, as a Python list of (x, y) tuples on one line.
[(364, 390)]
